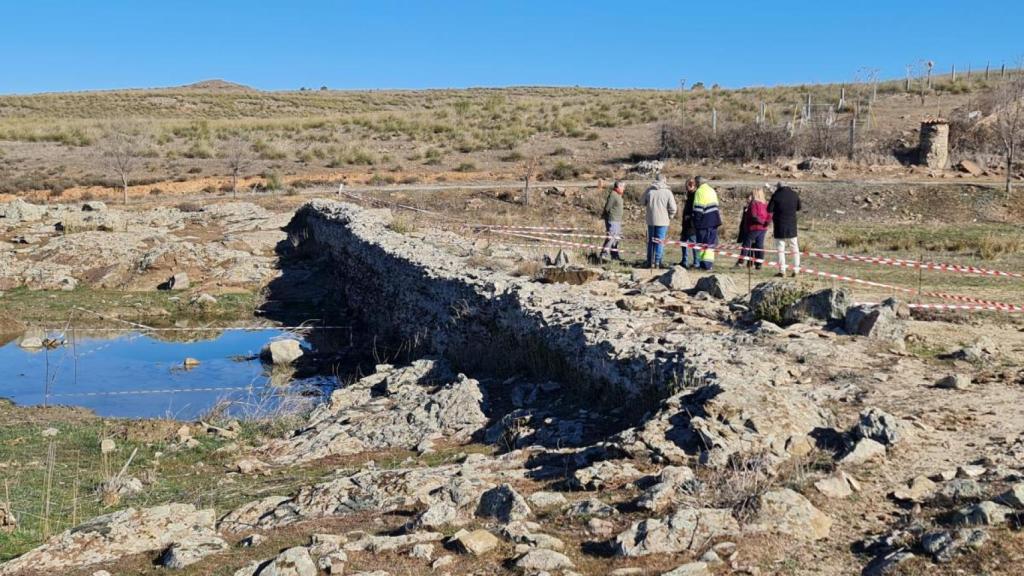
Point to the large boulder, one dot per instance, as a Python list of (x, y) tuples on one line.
[(105, 221), (113, 536), (17, 211), (877, 321), (680, 532), (735, 416), (827, 306)]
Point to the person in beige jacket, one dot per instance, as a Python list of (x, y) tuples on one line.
[(661, 207)]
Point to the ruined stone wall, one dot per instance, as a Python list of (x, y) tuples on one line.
[(411, 291)]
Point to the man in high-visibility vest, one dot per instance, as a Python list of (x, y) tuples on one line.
[(706, 220)]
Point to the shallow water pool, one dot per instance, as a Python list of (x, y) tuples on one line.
[(132, 374)]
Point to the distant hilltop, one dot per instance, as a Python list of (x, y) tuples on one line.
[(218, 85)]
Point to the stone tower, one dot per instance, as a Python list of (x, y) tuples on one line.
[(933, 148)]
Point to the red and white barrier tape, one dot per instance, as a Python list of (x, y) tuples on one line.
[(978, 303), (536, 228), (939, 295), (957, 268)]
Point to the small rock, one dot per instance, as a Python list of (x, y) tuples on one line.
[(292, 562), (282, 352), (31, 343), (442, 562), (864, 451), (1013, 497), (334, 562), (107, 445), (478, 542), (954, 382), (542, 500), (591, 507), (252, 541), (790, 513), (249, 466), (504, 504), (8, 521), (691, 569), (919, 490), (422, 552), (839, 485), (985, 513), (190, 363), (887, 563), (677, 278), (880, 426), (960, 490), (543, 560), (178, 556), (970, 471), (721, 287), (179, 281), (600, 528)]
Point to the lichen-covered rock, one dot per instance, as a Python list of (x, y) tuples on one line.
[(292, 562), (787, 512), (880, 426), (827, 305), (394, 408), (113, 536), (503, 503), (880, 322), (676, 533), (721, 287), (453, 487)]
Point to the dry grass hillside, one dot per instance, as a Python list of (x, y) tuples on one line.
[(195, 137)]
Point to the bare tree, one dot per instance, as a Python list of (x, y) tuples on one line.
[(121, 148), (236, 154), (1009, 111)]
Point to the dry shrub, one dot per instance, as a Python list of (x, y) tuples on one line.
[(743, 143), (738, 485)]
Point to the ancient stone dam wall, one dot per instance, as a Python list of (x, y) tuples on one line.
[(422, 291)]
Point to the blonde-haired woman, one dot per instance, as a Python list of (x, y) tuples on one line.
[(755, 225)]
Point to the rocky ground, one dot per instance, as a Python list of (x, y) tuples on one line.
[(59, 247), (838, 439)]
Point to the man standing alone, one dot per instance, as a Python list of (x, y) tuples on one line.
[(661, 207), (612, 216), (706, 221), (784, 205)]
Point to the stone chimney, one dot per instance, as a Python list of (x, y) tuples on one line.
[(933, 148)]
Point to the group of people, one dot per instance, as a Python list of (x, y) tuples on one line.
[(701, 220)]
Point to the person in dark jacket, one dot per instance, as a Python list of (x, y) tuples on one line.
[(689, 233), (612, 216), (784, 205)]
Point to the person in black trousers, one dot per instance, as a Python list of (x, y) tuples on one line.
[(783, 206)]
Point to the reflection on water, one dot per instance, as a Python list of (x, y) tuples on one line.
[(135, 375)]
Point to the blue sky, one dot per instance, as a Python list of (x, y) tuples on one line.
[(58, 45)]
